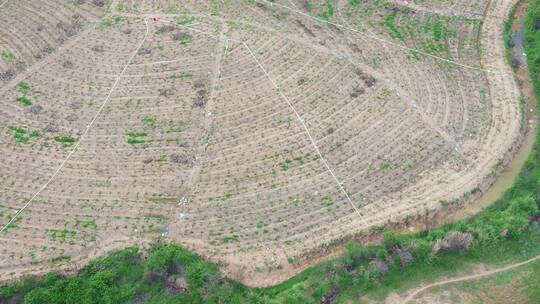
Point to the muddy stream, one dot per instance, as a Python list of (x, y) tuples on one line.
[(509, 173)]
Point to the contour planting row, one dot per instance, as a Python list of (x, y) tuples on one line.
[(32, 30), (336, 96), (39, 135), (45, 115), (215, 143), (383, 56), (247, 191), (114, 169), (475, 8)]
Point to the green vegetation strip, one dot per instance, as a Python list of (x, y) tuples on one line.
[(23, 99), (506, 232), (65, 139), (23, 135)]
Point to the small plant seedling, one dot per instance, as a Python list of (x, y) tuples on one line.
[(185, 20), (326, 201), (65, 139), (149, 121)]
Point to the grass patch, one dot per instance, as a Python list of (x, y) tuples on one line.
[(327, 11), (149, 121), (284, 165), (24, 100), (65, 139), (10, 58), (85, 223), (326, 201), (390, 23), (135, 138), (413, 55), (134, 141), (109, 21), (184, 39), (207, 138), (185, 20), (23, 135), (23, 88), (229, 239), (430, 33), (136, 134)]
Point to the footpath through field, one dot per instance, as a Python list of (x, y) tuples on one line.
[(468, 277)]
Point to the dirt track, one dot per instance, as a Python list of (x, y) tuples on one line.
[(468, 277)]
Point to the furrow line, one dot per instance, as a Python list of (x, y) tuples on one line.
[(306, 129), (88, 127)]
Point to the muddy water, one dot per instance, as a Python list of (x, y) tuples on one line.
[(518, 51), (512, 169)]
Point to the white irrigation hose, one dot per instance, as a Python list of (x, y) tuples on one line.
[(340, 185), (374, 36), (88, 127)]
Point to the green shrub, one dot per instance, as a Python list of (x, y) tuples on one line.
[(327, 12), (65, 139), (23, 87), (389, 22), (24, 100), (390, 240)]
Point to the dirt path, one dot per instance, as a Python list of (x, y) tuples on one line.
[(469, 277), (220, 51)]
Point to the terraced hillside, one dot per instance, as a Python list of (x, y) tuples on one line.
[(253, 132)]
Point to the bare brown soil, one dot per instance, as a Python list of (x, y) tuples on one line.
[(251, 133)]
